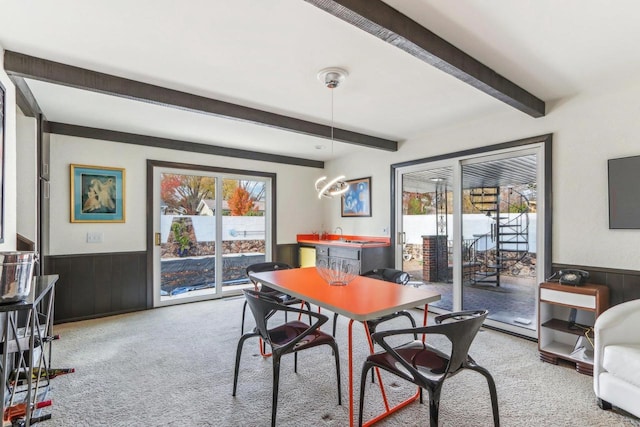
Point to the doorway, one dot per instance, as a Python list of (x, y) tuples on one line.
[(475, 226), (208, 226)]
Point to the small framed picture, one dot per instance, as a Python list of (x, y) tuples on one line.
[(97, 194), (357, 200)]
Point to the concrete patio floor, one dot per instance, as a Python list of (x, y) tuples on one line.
[(513, 302)]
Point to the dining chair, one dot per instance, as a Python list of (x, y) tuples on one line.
[(257, 286), (427, 366), (290, 337), (389, 275)]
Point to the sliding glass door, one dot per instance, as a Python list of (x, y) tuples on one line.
[(209, 227), (468, 228), (426, 236), (499, 227)]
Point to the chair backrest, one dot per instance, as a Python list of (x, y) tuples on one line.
[(388, 274), (262, 267), (461, 329), (263, 306)]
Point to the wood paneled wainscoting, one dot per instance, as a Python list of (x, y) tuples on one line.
[(98, 285)]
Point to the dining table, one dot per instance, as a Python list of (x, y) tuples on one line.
[(360, 300)]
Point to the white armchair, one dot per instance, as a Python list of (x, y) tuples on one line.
[(616, 367)]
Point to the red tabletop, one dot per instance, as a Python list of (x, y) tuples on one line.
[(362, 299)]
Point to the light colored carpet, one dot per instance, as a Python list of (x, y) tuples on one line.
[(174, 367)]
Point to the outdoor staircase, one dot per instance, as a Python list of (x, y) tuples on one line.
[(508, 240)]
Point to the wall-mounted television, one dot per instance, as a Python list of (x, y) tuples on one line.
[(624, 192)]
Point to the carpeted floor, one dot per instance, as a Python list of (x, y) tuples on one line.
[(174, 367)]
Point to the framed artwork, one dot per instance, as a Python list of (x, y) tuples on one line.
[(97, 194), (357, 200), (2, 126)]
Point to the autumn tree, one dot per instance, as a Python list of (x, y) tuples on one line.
[(168, 194), (240, 202), (183, 193)]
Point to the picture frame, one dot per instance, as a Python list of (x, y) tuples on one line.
[(356, 201), (97, 194)]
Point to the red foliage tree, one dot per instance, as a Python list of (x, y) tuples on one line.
[(240, 202), (168, 190)]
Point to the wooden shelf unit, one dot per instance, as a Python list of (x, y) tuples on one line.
[(557, 337)]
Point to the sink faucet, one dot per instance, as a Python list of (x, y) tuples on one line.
[(341, 233)]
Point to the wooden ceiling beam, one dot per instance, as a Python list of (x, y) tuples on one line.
[(25, 66), (173, 144), (381, 20), (24, 98)]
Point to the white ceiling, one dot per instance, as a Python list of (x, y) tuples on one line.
[(266, 54)]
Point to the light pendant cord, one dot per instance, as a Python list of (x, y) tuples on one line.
[(331, 123)]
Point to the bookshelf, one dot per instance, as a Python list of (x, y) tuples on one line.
[(566, 316)]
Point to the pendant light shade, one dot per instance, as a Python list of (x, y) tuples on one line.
[(334, 187), (328, 188)]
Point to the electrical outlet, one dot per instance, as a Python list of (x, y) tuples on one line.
[(94, 237)]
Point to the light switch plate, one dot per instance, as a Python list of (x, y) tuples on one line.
[(95, 237)]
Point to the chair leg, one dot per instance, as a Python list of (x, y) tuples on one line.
[(372, 329), (276, 384), (434, 407), (335, 320), (492, 392), (603, 404), (334, 346), (244, 311), (237, 366), (295, 362), (363, 382)]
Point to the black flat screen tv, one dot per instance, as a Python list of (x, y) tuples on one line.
[(624, 192)]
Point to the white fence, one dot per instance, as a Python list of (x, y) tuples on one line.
[(416, 226), (233, 227)]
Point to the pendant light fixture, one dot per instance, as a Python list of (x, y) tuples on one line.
[(331, 78)]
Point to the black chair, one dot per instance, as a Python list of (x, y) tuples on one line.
[(290, 337), (389, 275), (283, 298), (428, 367)]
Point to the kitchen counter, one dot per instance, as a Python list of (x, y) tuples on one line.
[(369, 252), (344, 241)]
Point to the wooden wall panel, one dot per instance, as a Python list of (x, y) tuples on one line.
[(98, 285)]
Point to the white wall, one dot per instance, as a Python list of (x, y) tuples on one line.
[(9, 183), (26, 129), (587, 130), (298, 210)]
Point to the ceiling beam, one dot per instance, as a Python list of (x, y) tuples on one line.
[(173, 144), (24, 97), (18, 64), (381, 20)]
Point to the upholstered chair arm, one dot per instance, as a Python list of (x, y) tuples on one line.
[(617, 325)]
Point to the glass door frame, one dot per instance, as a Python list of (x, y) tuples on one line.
[(542, 145), (153, 295)]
